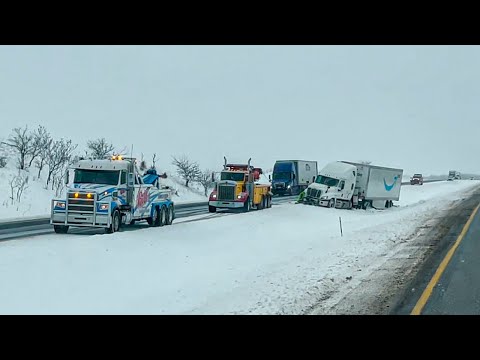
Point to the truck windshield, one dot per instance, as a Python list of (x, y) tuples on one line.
[(282, 176), (107, 177), (235, 176), (325, 180)]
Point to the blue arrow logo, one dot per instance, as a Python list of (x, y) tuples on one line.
[(390, 187)]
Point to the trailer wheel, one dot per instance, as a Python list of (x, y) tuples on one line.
[(331, 203), (115, 225), (60, 229), (169, 215)]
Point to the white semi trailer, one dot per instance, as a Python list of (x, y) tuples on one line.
[(344, 184)]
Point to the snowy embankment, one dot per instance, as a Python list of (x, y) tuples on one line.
[(280, 260), (35, 200)]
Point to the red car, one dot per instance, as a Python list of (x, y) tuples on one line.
[(416, 179)]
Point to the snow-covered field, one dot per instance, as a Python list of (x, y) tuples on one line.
[(281, 260)]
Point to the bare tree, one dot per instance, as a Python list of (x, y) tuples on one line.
[(22, 184), (18, 184), (60, 154), (21, 141), (44, 153), (143, 164), (122, 151), (58, 178), (205, 179), (186, 169), (12, 183), (99, 148), (40, 140), (154, 161)]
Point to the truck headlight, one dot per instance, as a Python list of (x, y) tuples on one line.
[(323, 197), (60, 204), (289, 186), (103, 206), (214, 196)]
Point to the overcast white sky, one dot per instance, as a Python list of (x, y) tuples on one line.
[(413, 107)]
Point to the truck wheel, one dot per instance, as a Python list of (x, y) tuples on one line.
[(247, 205), (169, 215), (367, 205), (60, 229), (261, 204), (269, 201), (162, 219), (212, 209), (115, 225), (331, 203), (153, 221)]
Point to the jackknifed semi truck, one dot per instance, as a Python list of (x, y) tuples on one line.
[(344, 184)]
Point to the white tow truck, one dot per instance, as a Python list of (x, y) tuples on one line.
[(107, 193)]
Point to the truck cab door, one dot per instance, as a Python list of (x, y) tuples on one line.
[(130, 189), (341, 189)]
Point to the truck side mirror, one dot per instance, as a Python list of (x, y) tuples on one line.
[(131, 180), (269, 177), (213, 177), (67, 177), (293, 176)]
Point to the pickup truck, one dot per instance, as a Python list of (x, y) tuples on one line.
[(416, 179)]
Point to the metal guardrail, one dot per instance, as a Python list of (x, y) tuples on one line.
[(45, 220), (424, 181)]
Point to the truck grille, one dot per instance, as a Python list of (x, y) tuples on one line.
[(226, 192), (80, 204), (279, 185), (314, 193)]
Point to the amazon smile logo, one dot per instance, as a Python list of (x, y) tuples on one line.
[(390, 187)]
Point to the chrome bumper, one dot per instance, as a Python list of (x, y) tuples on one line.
[(226, 204)]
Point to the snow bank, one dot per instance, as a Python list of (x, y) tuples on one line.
[(280, 260)]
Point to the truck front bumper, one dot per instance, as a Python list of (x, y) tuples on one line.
[(60, 218), (65, 217), (318, 202), (226, 204)]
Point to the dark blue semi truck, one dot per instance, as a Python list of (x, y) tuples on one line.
[(291, 177)]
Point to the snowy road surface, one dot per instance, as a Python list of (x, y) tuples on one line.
[(287, 259)]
